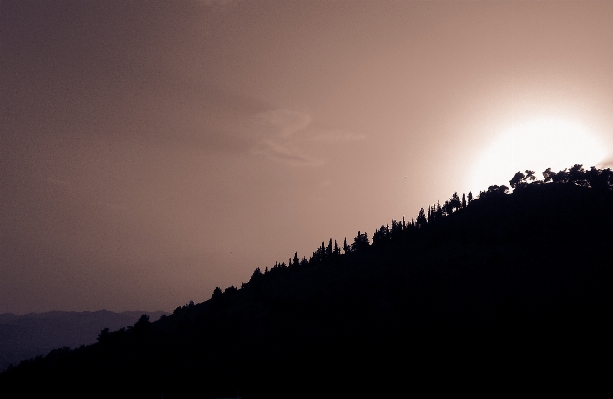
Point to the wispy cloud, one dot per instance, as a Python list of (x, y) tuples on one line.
[(332, 136), (286, 126), (284, 153), (287, 122), (288, 133)]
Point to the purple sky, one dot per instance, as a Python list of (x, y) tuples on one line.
[(150, 151)]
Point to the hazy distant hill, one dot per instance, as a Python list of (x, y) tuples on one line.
[(505, 292), (26, 336)]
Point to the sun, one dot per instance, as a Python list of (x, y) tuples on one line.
[(536, 145)]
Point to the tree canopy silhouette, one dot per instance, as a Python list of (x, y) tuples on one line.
[(507, 279)]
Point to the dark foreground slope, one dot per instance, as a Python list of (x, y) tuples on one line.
[(26, 336), (512, 288)]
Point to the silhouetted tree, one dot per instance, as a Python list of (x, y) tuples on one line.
[(346, 248), (578, 176), (600, 179), (319, 256), (548, 175), (104, 334), (322, 252), (142, 326), (447, 208), (517, 178), (360, 242), (493, 192), (231, 290), (217, 294), (520, 180), (256, 276), (143, 320), (396, 230), (381, 235), (421, 219), (495, 189), (454, 203)]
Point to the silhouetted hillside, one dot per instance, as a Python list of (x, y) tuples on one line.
[(497, 291), (26, 336)]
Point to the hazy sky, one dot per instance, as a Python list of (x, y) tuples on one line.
[(150, 151)]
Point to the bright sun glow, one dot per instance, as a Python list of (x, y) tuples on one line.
[(538, 145)]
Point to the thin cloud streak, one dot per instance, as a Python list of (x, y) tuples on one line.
[(335, 136), (287, 122), (287, 127), (283, 154), (290, 129)]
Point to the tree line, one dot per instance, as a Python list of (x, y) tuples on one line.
[(330, 253)]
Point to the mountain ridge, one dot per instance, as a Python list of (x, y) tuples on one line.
[(34, 334), (506, 285)]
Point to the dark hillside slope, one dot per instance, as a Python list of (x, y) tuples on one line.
[(510, 288), (26, 336)]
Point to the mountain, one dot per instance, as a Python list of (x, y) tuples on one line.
[(26, 336), (505, 292)]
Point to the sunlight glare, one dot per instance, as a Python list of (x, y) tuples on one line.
[(537, 145)]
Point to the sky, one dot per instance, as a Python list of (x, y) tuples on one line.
[(151, 150)]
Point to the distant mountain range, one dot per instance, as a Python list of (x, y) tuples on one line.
[(503, 292), (26, 336)]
